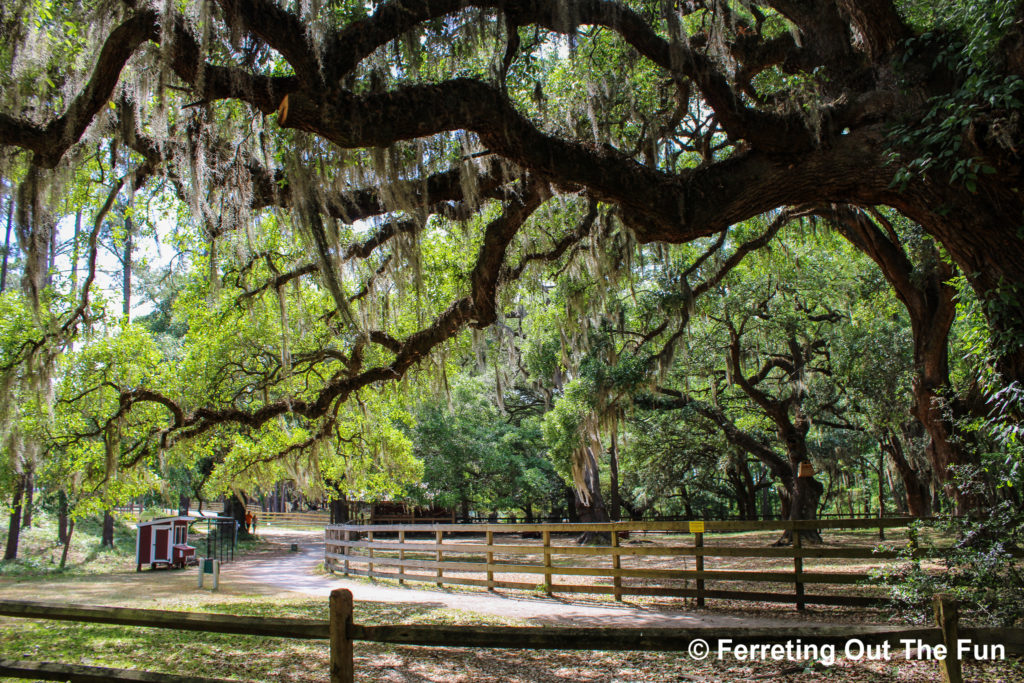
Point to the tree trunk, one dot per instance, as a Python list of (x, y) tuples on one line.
[(14, 525), (183, 503), (801, 503), (107, 540), (614, 500), (62, 516), (802, 493), (979, 231), (570, 504), (929, 300), (918, 500), (881, 492), (67, 544), (687, 504), (528, 509), (767, 510), (742, 483), (26, 519), (589, 502), (234, 507), (7, 244), (339, 509)]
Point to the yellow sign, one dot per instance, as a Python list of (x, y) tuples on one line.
[(696, 527)]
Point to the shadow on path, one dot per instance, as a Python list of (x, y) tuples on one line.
[(295, 571)]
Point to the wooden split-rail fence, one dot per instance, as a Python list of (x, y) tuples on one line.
[(498, 556), (342, 632)]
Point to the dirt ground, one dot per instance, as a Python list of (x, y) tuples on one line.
[(895, 539), (275, 580)]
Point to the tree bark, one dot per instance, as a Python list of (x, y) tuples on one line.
[(589, 503), (7, 244), (614, 499), (339, 508), (742, 483), (62, 516), (929, 300), (234, 507), (569, 496), (26, 519), (67, 544), (918, 499), (802, 491), (14, 525), (107, 539)]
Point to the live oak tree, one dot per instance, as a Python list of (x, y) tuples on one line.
[(334, 144)]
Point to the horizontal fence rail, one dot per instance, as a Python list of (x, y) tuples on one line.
[(342, 631), (277, 627), (292, 519), (468, 555)]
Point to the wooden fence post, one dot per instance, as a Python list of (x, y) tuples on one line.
[(401, 556), (616, 566), (369, 565), (342, 665), (490, 561), (698, 542), (329, 535), (348, 537), (798, 567), (947, 616), (547, 561), (440, 572)]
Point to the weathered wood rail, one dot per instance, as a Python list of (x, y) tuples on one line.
[(342, 631), (317, 520), (388, 552)]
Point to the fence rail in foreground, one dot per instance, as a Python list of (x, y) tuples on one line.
[(363, 550), (341, 631)]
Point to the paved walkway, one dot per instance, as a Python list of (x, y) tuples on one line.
[(294, 571)]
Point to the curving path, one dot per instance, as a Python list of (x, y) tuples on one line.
[(294, 571)]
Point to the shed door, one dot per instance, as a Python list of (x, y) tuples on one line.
[(145, 545), (161, 544)]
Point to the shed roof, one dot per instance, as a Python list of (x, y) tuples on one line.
[(165, 520)]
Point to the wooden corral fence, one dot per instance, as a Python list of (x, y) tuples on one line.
[(341, 631), (361, 513), (403, 552), (298, 520)]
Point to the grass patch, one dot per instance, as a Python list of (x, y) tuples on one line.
[(278, 659), (39, 551)]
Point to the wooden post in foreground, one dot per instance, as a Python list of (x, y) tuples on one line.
[(348, 537), (698, 543), (342, 665), (440, 557), (490, 561), (546, 535), (369, 568), (947, 616), (401, 556), (616, 566)]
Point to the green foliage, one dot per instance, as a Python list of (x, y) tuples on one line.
[(980, 570), (964, 42), (473, 456)]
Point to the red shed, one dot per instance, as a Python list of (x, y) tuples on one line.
[(163, 541)]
